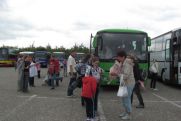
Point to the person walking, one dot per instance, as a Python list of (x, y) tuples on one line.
[(138, 80), (129, 81), (72, 72), (154, 74)]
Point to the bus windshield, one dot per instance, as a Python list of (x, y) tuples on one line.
[(3, 54), (60, 56), (131, 43), (40, 55)]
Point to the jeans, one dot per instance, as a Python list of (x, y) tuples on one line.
[(72, 85), (53, 78), (31, 81), (38, 73), (89, 107), (127, 100), (153, 80), (137, 91), (96, 98)]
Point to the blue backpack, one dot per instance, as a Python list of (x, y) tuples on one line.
[(81, 68)]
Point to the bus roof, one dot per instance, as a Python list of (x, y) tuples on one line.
[(26, 52), (80, 53), (166, 33), (59, 52), (121, 31)]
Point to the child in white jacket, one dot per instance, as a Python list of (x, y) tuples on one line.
[(33, 73)]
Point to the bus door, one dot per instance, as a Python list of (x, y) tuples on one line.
[(166, 70), (175, 63), (179, 60)]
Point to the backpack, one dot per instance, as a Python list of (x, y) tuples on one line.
[(53, 66), (81, 68), (57, 66)]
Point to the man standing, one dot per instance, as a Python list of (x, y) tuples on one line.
[(72, 72)]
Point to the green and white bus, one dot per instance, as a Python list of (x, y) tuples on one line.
[(107, 42), (166, 49)]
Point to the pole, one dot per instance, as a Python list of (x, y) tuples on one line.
[(90, 43)]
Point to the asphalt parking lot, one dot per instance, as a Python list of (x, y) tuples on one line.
[(43, 104)]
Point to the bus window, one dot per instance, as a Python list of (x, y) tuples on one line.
[(167, 50)]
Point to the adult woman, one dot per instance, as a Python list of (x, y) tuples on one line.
[(129, 81), (154, 74)]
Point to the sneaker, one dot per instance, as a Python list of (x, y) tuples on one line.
[(96, 113), (140, 106), (126, 117), (52, 88), (88, 119), (93, 119), (155, 89), (122, 114), (96, 118), (71, 96)]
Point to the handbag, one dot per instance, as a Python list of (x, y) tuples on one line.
[(153, 68), (122, 92)]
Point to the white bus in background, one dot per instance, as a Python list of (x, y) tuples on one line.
[(79, 56), (27, 53), (59, 55), (166, 49)]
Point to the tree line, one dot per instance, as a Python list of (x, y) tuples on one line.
[(78, 48)]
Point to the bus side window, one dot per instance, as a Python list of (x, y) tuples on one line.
[(167, 50)]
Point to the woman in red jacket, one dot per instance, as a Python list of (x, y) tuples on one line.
[(88, 93)]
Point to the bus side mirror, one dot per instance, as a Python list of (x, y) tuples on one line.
[(149, 41)]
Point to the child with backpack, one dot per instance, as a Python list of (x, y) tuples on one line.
[(53, 71), (88, 92), (96, 72)]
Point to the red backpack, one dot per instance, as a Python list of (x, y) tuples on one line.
[(57, 66), (51, 68), (54, 66)]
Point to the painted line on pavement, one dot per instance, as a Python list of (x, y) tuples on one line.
[(57, 98), (166, 100), (18, 107), (102, 116), (151, 101)]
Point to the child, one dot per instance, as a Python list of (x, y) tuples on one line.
[(53, 71), (96, 72), (38, 66), (32, 72), (61, 72), (88, 92)]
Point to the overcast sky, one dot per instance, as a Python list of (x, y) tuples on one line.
[(66, 22)]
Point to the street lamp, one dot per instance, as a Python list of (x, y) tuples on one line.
[(90, 43)]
